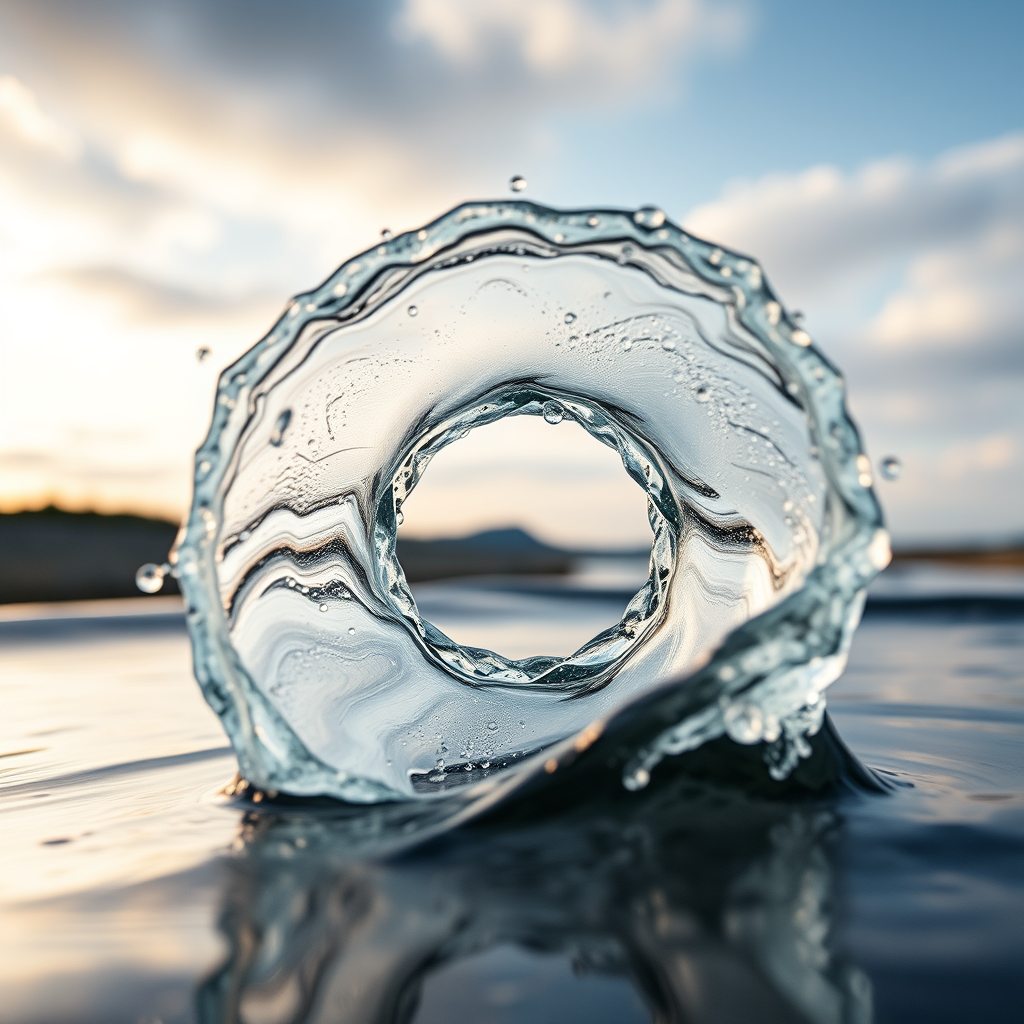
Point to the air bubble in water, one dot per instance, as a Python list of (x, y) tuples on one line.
[(553, 413), (203, 353), (668, 345), (570, 318), (744, 722), (324, 607), (492, 726), (412, 310), (150, 577), (399, 517), (517, 183), (386, 234), (702, 394), (891, 468)]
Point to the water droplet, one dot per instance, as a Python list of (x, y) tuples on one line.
[(386, 234), (412, 310), (627, 250), (517, 183), (280, 426), (324, 607), (553, 412), (570, 318), (638, 779), (205, 466), (649, 217), (773, 311), (291, 583), (203, 353), (340, 289), (702, 394), (891, 467), (522, 724), (668, 345), (593, 220), (399, 517), (492, 726), (351, 630), (801, 338), (150, 577), (744, 722)]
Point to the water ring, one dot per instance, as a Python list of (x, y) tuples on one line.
[(674, 352)]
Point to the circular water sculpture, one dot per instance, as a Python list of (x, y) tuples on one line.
[(307, 639)]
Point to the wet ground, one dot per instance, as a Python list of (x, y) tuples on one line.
[(133, 891)]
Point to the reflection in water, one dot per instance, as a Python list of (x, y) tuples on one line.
[(690, 903)]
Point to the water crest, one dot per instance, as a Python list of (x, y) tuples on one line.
[(673, 352)]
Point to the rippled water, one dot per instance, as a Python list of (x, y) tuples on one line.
[(133, 891)]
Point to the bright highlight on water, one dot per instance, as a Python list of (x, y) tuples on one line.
[(671, 351)]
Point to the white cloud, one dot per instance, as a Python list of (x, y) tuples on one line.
[(583, 46), (813, 229), (21, 117)]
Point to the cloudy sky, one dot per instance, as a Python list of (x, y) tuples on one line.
[(171, 171)]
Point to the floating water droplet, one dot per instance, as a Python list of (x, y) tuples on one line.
[(801, 338), (150, 577), (668, 345), (638, 779), (205, 466), (492, 726), (291, 583), (744, 722), (593, 221), (891, 467), (570, 318), (324, 607), (412, 310), (203, 353), (701, 394), (399, 517), (351, 630), (280, 426), (553, 413), (517, 183), (522, 724), (386, 234)]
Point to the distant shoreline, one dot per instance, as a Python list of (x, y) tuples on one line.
[(53, 555)]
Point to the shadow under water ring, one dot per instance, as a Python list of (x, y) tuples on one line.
[(307, 641)]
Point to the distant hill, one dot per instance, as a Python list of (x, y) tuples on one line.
[(54, 555), (491, 553)]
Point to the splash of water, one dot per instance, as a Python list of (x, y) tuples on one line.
[(675, 353)]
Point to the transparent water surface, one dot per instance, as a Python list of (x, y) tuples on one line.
[(133, 891)]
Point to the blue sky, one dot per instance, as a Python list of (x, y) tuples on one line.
[(171, 172)]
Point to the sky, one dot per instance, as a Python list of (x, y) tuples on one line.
[(171, 172)]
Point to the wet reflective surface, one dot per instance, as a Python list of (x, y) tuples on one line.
[(133, 891)]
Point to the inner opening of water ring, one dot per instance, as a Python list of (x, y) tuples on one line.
[(527, 552)]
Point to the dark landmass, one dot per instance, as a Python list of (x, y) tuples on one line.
[(492, 553), (1007, 557), (52, 555)]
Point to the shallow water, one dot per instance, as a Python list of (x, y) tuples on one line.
[(129, 884)]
